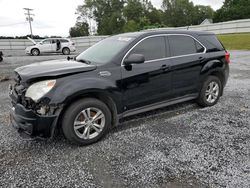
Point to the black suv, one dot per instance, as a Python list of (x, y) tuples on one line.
[(118, 77)]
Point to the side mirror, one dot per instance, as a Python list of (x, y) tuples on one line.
[(134, 59)]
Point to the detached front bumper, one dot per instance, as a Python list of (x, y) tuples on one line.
[(28, 52), (31, 124), (72, 48)]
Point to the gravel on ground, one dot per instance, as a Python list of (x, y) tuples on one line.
[(178, 146)]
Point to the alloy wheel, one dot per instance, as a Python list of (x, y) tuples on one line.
[(35, 52), (66, 51), (212, 92), (89, 123)]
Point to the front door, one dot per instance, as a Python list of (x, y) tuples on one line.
[(45, 46), (149, 82)]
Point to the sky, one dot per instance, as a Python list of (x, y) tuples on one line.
[(52, 17)]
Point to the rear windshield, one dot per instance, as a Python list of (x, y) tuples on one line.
[(213, 44)]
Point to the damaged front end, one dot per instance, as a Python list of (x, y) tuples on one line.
[(32, 119)]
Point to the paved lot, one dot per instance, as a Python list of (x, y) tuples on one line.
[(182, 145)]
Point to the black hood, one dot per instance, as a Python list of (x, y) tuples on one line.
[(53, 68)]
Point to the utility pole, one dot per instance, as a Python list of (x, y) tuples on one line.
[(29, 18)]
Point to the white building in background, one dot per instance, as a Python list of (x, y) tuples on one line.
[(207, 21)]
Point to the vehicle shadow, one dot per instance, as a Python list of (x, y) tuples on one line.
[(137, 120), (57, 54), (126, 123), (165, 112)]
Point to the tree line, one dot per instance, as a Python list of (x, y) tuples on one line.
[(22, 37), (33, 36), (117, 16)]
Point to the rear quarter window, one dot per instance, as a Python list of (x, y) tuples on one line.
[(64, 40), (184, 45), (212, 43)]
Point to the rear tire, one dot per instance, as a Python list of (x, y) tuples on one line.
[(35, 52), (86, 121), (66, 51), (211, 92)]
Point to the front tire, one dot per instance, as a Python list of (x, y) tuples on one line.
[(35, 52), (210, 92), (86, 121)]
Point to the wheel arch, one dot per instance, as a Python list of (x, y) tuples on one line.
[(214, 68), (65, 47), (217, 73), (103, 97)]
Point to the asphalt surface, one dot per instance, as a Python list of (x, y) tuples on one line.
[(178, 146)]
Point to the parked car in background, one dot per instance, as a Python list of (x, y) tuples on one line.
[(51, 45), (120, 76)]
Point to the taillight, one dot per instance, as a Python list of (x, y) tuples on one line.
[(227, 57)]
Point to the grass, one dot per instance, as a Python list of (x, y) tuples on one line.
[(239, 41)]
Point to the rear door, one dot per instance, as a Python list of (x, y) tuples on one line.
[(149, 82), (63, 43), (187, 56)]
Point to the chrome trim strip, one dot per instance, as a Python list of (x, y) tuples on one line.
[(159, 35)]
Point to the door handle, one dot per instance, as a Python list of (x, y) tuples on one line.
[(165, 67)]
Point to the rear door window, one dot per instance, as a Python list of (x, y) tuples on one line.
[(183, 45), (152, 48)]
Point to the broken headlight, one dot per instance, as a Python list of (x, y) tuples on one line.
[(39, 89)]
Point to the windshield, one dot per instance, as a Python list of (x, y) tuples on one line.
[(105, 50)]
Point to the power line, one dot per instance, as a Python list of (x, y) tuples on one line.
[(29, 18)]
